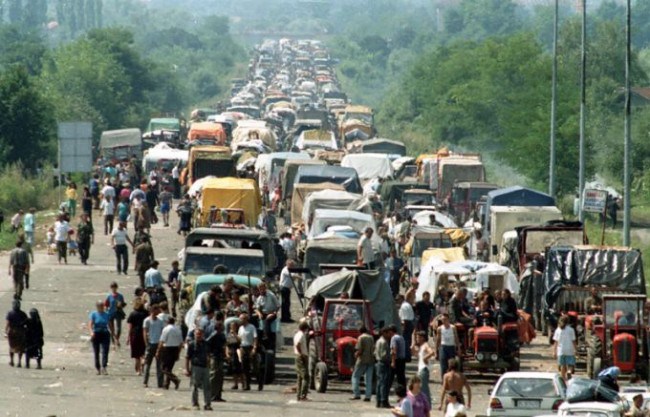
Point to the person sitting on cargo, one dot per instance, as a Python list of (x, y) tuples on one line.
[(593, 303), (507, 308), (456, 312)]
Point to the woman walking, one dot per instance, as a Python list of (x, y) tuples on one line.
[(35, 339), (15, 329), (115, 308), (425, 353), (100, 328), (72, 195), (136, 336), (87, 202)]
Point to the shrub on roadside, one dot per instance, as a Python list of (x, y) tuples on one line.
[(20, 190)]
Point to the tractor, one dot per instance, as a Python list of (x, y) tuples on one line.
[(619, 337), (334, 337), (489, 347)]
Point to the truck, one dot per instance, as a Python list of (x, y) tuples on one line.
[(118, 145), (503, 219), (208, 160)]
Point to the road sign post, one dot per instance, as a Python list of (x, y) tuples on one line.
[(595, 201), (75, 147)]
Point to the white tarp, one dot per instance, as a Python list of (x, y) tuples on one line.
[(162, 151), (336, 200), (423, 218), (324, 219), (369, 165), (475, 276), (197, 186)]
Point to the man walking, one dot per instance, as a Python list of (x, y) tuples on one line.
[(144, 257), (19, 268), (119, 239), (365, 253), (108, 211), (85, 237), (382, 356), (169, 349), (29, 224), (447, 343), (217, 352), (397, 356), (407, 317), (454, 380), (364, 365), (286, 285), (247, 335), (196, 367), (302, 360), (152, 328)]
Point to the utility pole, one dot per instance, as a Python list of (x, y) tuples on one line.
[(583, 99), (628, 133), (551, 165)]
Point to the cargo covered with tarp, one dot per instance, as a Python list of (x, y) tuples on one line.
[(383, 146), (585, 266), (290, 171), (339, 251), (300, 194), (334, 200), (369, 165), (314, 174), (121, 144), (207, 131), (231, 193), (444, 255), (249, 130), (359, 285)]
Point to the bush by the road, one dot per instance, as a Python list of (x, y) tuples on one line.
[(19, 190)]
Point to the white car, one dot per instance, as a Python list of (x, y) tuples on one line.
[(527, 394), (591, 409)]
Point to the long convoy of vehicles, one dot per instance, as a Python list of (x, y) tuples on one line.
[(290, 140)]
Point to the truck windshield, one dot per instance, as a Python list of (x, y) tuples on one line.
[(345, 316), (621, 312), (197, 264)]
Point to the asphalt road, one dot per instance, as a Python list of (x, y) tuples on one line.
[(68, 386)]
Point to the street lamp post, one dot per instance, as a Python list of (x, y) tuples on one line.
[(551, 165), (628, 118)]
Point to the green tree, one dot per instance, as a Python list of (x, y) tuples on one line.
[(21, 48), (26, 124)]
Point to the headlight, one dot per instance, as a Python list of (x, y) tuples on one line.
[(480, 356), (494, 357)]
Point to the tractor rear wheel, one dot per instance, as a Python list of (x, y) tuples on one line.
[(320, 377)]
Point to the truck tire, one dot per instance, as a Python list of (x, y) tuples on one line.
[(320, 377)]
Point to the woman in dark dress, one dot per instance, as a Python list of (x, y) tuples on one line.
[(15, 330), (35, 339), (87, 203), (136, 337)]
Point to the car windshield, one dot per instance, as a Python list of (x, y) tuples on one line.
[(621, 312), (348, 316), (197, 264), (527, 388)]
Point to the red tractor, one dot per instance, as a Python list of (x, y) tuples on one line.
[(334, 337), (490, 348), (619, 337)]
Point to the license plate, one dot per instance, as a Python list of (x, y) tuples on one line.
[(528, 403)]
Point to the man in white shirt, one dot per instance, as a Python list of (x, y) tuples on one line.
[(119, 239), (176, 175), (61, 229), (247, 335), (108, 190), (365, 253), (107, 207), (286, 285), (302, 360), (169, 349), (407, 317), (564, 346)]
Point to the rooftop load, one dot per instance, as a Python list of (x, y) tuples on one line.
[(204, 161), (314, 174), (162, 155), (300, 194), (207, 132), (316, 139), (248, 130), (325, 220), (334, 200), (383, 146), (443, 173), (231, 193), (121, 144), (359, 285), (369, 165)]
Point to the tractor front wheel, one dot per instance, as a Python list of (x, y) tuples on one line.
[(320, 377)]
